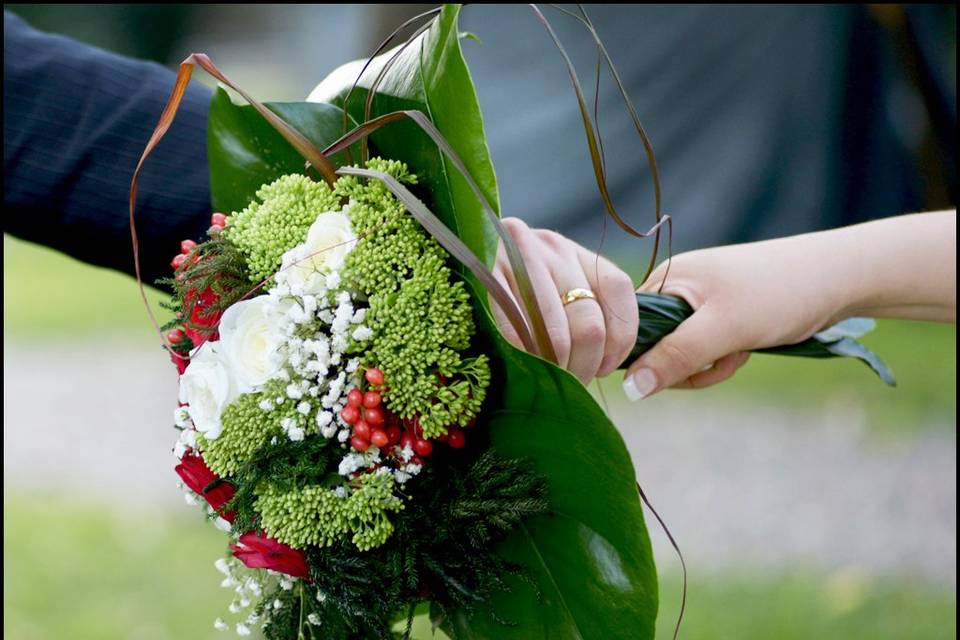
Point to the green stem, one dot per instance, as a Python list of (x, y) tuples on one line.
[(300, 635)]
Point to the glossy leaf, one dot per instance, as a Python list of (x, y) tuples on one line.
[(591, 557), (442, 89), (244, 151)]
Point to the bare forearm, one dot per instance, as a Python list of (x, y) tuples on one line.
[(902, 267)]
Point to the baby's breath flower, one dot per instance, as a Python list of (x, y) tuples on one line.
[(222, 566)]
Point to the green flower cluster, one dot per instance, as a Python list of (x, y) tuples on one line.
[(278, 221), (420, 316), (246, 428), (316, 516)]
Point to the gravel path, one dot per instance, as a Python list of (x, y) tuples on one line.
[(738, 485)]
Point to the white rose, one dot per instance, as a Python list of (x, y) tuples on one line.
[(251, 334), (329, 240), (207, 387)]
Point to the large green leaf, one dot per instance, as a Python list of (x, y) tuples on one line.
[(430, 76), (591, 557), (244, 151)]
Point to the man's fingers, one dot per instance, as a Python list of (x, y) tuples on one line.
[(700, 340)]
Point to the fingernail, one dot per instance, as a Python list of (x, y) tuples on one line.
[(640, 385)]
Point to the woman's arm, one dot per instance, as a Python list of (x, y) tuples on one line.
[(777, 292), (903, 267)]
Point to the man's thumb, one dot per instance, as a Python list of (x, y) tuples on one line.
[(699, 341)]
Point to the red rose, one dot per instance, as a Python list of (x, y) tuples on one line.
[(257, 551), (198, 476), (201, 315), (180, 360)]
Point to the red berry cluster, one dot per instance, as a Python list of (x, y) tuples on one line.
[(218, 222), (186, 246), (203, 319), (374, 424)]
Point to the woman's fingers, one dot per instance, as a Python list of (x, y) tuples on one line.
[(615, 293), (700, 340), (588, 333), (591, 336), (720, 371), (536, 258)]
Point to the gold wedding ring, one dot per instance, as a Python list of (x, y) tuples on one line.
[(577, 294)]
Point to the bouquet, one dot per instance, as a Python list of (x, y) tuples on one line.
[(348, 412)]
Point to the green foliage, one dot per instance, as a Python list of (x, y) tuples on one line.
[(278, 221), (492, 497), (315, 515), (420, 314), (283, 623), (442, 548), (284, 466), (246, 428)]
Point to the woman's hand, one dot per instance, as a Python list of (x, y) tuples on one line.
[(744, 297), (591, 337), (779, 292)]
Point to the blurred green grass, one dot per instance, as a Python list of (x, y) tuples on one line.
[(92, 571), (48, 296), (799, 605), (83, 570)]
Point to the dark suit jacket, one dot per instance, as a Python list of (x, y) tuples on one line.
[(75, 120)]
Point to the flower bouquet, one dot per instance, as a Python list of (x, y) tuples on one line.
[(349, 413)]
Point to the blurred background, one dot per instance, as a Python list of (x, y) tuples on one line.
[(809, 500)]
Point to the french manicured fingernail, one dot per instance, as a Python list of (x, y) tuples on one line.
[(640, 385)]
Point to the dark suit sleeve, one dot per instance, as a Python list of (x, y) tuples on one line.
[(75, 121)]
